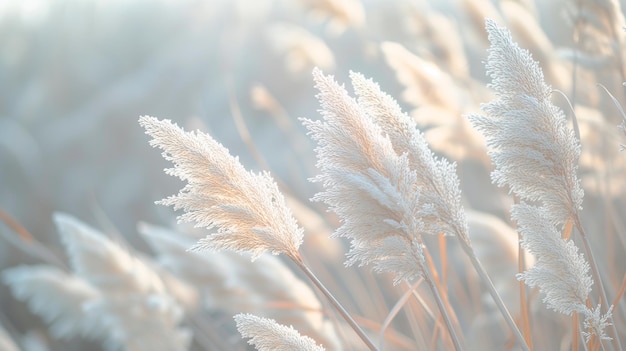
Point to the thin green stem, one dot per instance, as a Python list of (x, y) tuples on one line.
[(342, 311)]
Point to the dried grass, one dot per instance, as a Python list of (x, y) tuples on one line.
[(391, 197)]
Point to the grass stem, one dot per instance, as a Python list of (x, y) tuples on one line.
[(524, 308), (342, 311), (494, 294), (444, 312)]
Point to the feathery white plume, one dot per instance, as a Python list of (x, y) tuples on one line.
[(435, 176), (372, 189), (386, 186), (534, 151), (248, 208), (103, 263), (560, 271), (536, 154), (596, 323), (112, 296), (267, 335)]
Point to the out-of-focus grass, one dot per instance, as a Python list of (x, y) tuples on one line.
[(76, 74)]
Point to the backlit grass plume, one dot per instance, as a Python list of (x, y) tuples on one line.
[(534, 151), (247, 208), (267, 335), (371, 188), (387, 186), (378, 194), (436, 178), (37, 285), (535, 154), (561, 272)]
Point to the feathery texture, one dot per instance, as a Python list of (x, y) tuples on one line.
[(596, 323), (536, 154), (534, 151), (367, 184), (560, 271), (135, 311), (230, 282), (386, 197), (267, 335), (248, 208), (435, 176)]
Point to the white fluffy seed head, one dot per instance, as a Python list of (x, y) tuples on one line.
[(267, 335), (534, 151), (248, 209), (381, 178)]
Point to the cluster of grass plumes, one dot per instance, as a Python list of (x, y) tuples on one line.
[(536, 156), (398, 207), (110, 294), (389, 190)]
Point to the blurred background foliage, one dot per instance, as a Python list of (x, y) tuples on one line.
[(75, 75)]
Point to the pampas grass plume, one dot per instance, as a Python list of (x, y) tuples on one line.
[(370, 187), (536, 155), (267, 335), (248, 208)]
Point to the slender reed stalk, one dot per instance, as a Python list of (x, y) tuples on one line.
[(576, 332), (434, 288), (524, 309), (495, 296), (342, 311), (436, 177), (249, 210), (394, 311)]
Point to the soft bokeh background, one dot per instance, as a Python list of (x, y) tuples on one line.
[(75, 75)]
